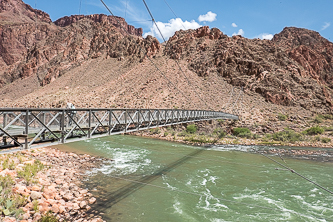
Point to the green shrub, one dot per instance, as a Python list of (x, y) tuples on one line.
[(29, 171), (242, 132), (155, 131), (326, 116), (287, 135), (315, 130), (199, 139), (166, 133), (282, 117), (48, 217), (316, 139), (325, 140), (318, 120), (219, 133), (10, 202), (192, 128), (328, 128), (183, 133)]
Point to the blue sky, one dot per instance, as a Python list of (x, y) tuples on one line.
[(252, 19)]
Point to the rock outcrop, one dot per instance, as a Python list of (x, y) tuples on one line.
[(35, 46), (100, 18), (294, 68)]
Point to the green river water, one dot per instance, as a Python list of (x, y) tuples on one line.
[(155, 180)]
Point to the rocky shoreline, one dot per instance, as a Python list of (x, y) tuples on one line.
[(55, 191)]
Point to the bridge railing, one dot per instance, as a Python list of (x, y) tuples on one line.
[(28, 127)]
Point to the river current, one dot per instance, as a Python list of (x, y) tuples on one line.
[(156, 180)]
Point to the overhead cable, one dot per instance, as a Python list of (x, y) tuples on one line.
[(152, 17), (181, 22), (298, 174), (145, 55)]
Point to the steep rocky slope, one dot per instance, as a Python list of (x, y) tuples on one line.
[(295, 68), (31, 44)]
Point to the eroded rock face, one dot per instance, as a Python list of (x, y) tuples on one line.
[(295, 68), (100, 18), (47, 50)]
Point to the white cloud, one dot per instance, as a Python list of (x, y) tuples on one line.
[(209, 17), (168, 29), (265, 36), (240, 32), (234, 25), (326, 25)]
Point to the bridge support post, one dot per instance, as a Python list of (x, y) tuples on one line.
[(139, 113), (4, 120), (125, 120), (158, 118), (110, 121), (89, 124), (62, 126), (26, 144)]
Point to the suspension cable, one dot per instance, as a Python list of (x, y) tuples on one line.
[(146, 55), (151, 15), (298, 174), (181, 22)]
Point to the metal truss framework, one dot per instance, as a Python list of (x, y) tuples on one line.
[(29, 127)]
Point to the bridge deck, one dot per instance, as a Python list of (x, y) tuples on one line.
[(26, 128)]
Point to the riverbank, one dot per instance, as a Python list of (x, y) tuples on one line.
[(230, 133), (45, 183)]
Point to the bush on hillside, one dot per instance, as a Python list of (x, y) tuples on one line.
[(191, 128), (242, 132), (282, 117), (325, 140), (315, 130), (287, 135)]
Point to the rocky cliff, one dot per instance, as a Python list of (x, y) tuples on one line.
[(31, 44), (118, 22), (294, 68)]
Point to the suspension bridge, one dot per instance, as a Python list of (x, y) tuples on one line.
[(27, 128)]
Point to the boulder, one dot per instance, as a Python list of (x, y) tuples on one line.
[(35, 195)]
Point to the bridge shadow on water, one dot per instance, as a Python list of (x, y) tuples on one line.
[(113, 198)]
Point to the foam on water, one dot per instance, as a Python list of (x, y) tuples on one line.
[(125, 161)]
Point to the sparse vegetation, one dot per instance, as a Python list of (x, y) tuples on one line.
[(48, 217), (29, 171), (325, 140), (282, 117), (199, 139), (10, 202), (287, 135), (326, 116), (318, 120), (220, 133), (155, 131), (242, 132), (192, 128), (315, 130)]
